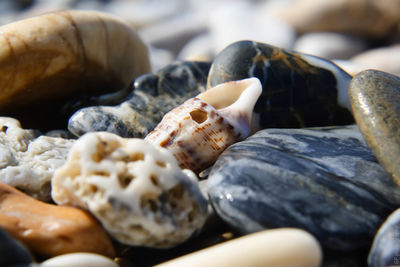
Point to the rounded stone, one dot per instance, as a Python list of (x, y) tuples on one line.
[(325, 181), (12, 252), (79, 260), (299, 90), (385, 248), (375, 98)]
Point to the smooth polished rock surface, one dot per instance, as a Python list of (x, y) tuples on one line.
[(49, 230), (270, 248), (154, 94), (375, 98), (47, 59), (325, 181), (299, 90), (12, 252), (79, 260), (385, 249)]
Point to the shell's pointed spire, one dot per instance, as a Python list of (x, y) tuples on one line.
[(199, 130)]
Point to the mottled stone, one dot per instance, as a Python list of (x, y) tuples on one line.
[(48, 59), (49, 230), (28, 161), (270, 248), (134, 188), (12, 252), (325, 181), (385, 250), (375, 98), (299, 90), (154, 95)]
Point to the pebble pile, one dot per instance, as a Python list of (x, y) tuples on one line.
[(200, 133)]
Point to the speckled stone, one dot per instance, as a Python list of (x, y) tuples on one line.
[(154, 95), (12, 252), (385, 250), (325, 181), (375, 98), (299, 90)]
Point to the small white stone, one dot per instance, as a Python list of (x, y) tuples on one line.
[(27, 162), (136, 189), (329, 45), (79, 260)]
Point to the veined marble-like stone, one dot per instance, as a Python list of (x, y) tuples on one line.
[(27, 161), (299, 90), (153, 96), (375, 98), (324, 180), (385, 248)]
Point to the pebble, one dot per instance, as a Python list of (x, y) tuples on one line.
[(78, 260), (385, 248), (269, 248), (299, 90), (375, 100), (249, 23), (325, 181), (12, 252), (329, 45), (70, 51), (154, 94), (28, 161), (134, 188), (49, 230), (372, 19), (385, 59)]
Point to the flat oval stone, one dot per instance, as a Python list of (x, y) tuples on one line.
[(385, 248), (78, 260), (154, 95), (12, 252), (48, 59), (299, 90), (270, 248), (50, 230), (375, 98), (325, 181)]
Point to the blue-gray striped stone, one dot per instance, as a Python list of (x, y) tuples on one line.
[(385, 250), (323, 180)]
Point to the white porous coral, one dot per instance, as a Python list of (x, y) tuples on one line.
[(28, 162), (136, 189)]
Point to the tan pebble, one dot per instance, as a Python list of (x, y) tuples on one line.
[(274, 248), (50, 230), (61, 53), (79, 260)]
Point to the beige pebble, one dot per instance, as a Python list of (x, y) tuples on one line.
[(274, 248), (49, 230), (79, 260), (57, 54)]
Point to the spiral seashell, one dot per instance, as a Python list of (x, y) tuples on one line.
[(200, 129)]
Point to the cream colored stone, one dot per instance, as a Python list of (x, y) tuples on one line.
[(268, 248), (136, 189), (50, 230), (79, 260), (57, 54), (27, 162)]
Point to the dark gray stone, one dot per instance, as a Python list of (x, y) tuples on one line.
[(153, 96), (323, 180), (12, 252), (385, 250), (298, 90)]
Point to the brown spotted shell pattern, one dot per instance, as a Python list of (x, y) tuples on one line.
[(200, 129)]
